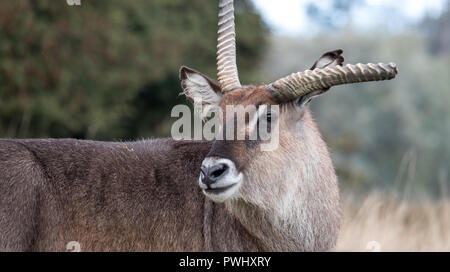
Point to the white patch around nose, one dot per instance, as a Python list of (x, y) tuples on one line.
[(227, 186)]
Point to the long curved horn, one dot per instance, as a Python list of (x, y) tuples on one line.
[(302, 83), (227, 72)]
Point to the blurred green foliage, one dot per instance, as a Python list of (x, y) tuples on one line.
[(108, 69)]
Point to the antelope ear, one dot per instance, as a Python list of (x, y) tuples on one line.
[(331, 59), (199, 88)]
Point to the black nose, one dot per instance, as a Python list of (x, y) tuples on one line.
[(212, 174)]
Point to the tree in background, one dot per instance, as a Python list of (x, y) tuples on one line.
[(438, 33), (108, 69)]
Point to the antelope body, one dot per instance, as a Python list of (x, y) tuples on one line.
[(128, 197), (167, 195)]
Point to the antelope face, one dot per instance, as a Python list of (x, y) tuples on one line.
[(243, 113), (237, 154)]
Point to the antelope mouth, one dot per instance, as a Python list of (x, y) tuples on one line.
[(221, 194), (220, 190)]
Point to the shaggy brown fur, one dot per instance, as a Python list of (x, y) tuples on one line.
[(139, 196)]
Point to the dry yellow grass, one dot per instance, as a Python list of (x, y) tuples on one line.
[(381, 223)]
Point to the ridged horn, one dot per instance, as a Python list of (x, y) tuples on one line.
[(299, 84), (227, 72)]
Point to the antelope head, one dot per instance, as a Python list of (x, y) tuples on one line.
[(239, 168)]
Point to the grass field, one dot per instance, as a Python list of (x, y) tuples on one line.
[(388, 223)]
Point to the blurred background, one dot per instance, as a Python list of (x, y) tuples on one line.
[(108, 70)]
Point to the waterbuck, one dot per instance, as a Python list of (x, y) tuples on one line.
[(167, 195)]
